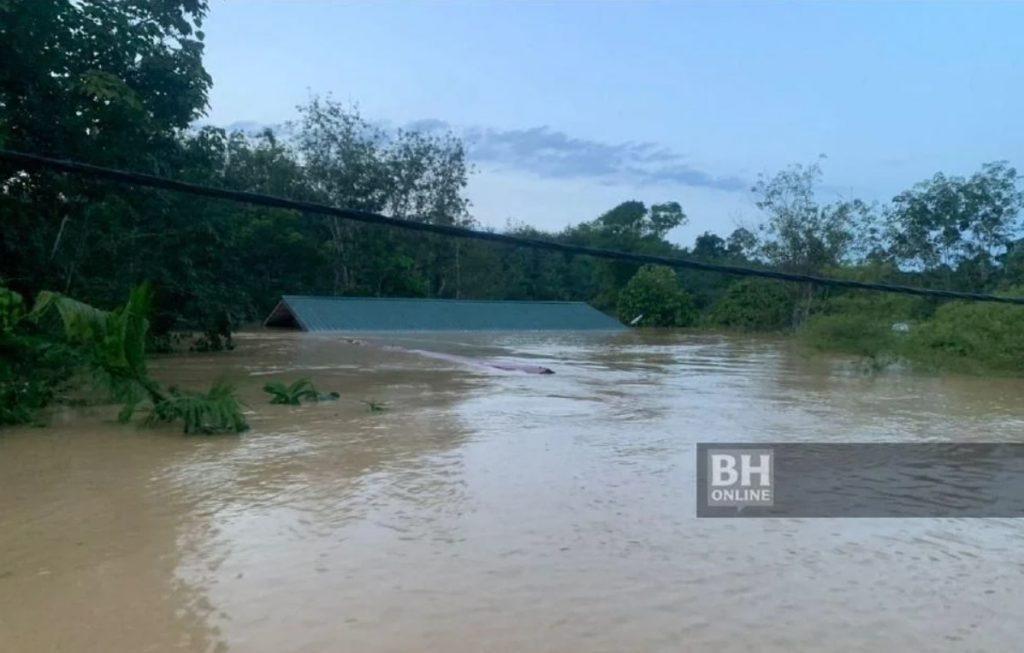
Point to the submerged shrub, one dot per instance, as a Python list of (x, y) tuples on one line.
[(754, 305), (851, 333), (971, 336), (655, 296), (885, 306), (863, 323), (961, 336)]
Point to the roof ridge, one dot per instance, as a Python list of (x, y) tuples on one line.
[(325, 313), (434, 299)]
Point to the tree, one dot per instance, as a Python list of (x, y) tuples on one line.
[(801, 235), (946, 221), (655, 296), (111, 83), (350, 162), (106, 80), (633, 219), (741, 244), (629, 227), (663, 218), (709, 246)]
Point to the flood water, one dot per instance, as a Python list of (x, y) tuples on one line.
[(489, 510)]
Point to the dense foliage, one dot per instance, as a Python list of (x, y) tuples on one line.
[(754, 305), (971, 337), (654, 297), (33, 368)]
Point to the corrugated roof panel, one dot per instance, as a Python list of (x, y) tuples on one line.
[(387, 314)]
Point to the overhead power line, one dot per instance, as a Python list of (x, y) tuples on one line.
[(259, 199)]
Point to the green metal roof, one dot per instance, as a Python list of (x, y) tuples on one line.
[(386, 314)]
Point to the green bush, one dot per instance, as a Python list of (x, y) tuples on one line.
[(754, 305), (655, 295), (972, 337), (885, 306), (862, 323), (962, 336), (860, 334)]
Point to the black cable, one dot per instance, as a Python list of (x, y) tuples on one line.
[(152, 181)]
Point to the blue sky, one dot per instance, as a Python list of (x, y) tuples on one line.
[(572, 107)]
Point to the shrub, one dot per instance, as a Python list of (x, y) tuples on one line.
[(971, 336), (851, 333), (655, 295), (755, 305), (862, 323), (885, 306)]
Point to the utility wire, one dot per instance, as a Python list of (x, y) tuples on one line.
[(152, 181)]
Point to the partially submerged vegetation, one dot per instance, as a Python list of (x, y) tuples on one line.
[(754, 305), (375, 406), (654, 297), (216, 411), (63, 347), (958, 336), (293, 394), (296, 392)]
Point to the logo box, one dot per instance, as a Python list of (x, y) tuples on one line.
[(739, 477), (883, 479)]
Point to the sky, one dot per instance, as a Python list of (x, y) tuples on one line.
[(571, 107)]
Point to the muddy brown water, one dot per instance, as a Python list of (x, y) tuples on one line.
[(495, 511)]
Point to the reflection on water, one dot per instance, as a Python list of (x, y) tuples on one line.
[(490, 510)]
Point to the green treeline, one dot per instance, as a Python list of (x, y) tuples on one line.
[(122, 84)]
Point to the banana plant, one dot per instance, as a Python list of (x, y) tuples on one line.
[(113, 347), (295, 393), (113, 342)]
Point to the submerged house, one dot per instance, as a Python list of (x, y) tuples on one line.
[(388, 314)]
